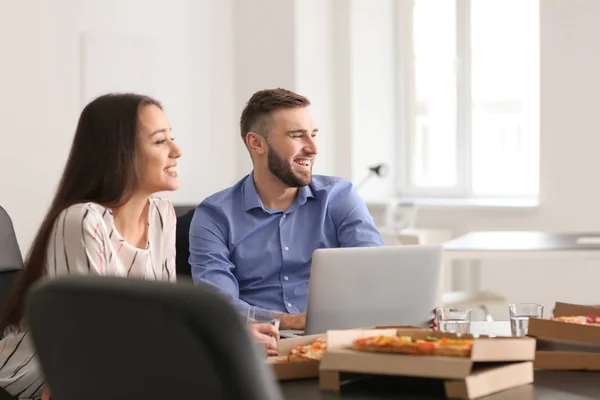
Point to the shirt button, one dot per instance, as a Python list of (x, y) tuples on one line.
[(286, 248), (289, 304), (283, 216), (286, 278)]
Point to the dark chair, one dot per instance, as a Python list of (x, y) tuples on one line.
[(102, 338), (10, 257), (7, 278), (182, 244), (10, 264)]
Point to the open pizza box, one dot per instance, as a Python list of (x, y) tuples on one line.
[(566, 346), (285, 370), (495, 364)]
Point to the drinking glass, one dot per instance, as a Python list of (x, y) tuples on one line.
[(520, 314), (257, 315), (454, 320)]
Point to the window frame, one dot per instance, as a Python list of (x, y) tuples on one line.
[(406, 105)]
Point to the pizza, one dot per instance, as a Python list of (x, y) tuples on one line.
[(429, 346), (312, 351), (581, 320)]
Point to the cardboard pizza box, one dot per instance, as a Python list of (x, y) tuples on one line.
[(394, 327), (495, 364), (563, 355), (556, 330), (485, 381), (285, 370)]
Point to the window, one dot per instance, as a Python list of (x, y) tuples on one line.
[(469, 98)]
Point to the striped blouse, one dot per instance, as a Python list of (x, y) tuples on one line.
[(84, 240)]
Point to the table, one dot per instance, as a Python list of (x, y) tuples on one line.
[(548, 385), (474, 247)]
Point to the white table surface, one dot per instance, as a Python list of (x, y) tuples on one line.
[(464, 255), (495, 328)]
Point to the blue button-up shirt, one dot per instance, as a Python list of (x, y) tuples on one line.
[(262, 257)]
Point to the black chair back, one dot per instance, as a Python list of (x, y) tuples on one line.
[(182, 244), (101, 338), (10, 258), (10, 254)]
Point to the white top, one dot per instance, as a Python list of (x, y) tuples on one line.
[(85, 241)]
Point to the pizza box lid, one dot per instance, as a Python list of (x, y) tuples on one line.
[(557, 330), (566, 355), (492, 379), (567, 360), (484, 380), (341, 357)]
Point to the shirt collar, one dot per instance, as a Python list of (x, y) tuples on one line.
[(252, 200)]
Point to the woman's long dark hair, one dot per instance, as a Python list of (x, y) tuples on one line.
[(103, 167)]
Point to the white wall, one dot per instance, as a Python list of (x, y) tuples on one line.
[(264, 57), (314, 67), (372, 93), (212, 55), (41, 91), (287, 44)]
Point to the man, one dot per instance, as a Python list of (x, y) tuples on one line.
[(254, 241)]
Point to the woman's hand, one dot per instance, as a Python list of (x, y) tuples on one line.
[(267, 334), (45, 393)]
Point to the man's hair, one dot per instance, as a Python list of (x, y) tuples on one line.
[(256, 116)]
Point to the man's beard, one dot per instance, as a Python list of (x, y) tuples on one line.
[(283, 170)]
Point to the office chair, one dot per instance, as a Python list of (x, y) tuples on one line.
[(10, 257), (182, 244), (10, 264), (102, 338)]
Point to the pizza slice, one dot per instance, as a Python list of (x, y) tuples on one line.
[(581, 319), (312, 351), (407, 345), (394, 344), (453, 347)]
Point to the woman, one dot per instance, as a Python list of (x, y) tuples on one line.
[(103, 219)]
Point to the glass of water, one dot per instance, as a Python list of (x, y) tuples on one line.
[(520, 314), (257, 315), (454, 320)]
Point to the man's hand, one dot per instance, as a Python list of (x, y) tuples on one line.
[(267, 334), (293, 321)]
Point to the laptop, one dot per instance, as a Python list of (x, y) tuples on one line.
[(367, 286)]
